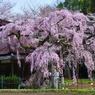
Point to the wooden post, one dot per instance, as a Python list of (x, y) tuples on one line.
[(2, 82), (38, 82), (19, 80), (77, 73), (12, 58), (12, 67)]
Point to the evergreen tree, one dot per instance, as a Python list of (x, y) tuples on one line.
[(68, 4), (60, 5), (92, 6), (74, 5), (85, 6)]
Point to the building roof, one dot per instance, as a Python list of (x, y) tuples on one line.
[(4, 22), (4, 47)]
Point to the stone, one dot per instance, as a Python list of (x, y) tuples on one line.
[(22, 86), (46, 84), (54, 79), (62, 81)]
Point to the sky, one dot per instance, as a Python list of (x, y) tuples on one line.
[(33, 3)]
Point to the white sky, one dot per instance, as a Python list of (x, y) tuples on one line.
[(34, 3)]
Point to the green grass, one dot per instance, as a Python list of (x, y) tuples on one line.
[(80, 80), (86, 91), (83, 92)]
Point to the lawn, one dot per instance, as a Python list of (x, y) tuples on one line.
[(82, 84), (46, 92)]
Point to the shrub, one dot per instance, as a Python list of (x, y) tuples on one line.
[(10, 82)]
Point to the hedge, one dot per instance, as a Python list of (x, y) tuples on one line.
[(11, 82)]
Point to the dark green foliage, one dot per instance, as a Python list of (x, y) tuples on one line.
[(93, 6), (60, 5), (74, 5), (68, 4), (11, 82), (85, 6)]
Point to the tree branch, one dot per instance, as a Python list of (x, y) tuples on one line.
[(84, 40), (28, 47)]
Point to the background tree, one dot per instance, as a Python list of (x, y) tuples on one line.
[(33, 12), (60, 5), (73, 5), (6, 10), (93, 6), (46, 10), (85, 6)]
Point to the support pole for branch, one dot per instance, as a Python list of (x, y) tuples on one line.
[(2, 82), (19, 80), (38, 83), (77, 73)]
